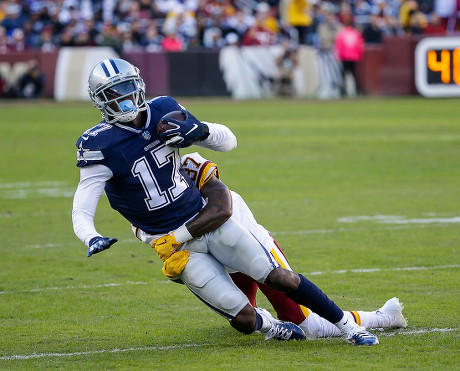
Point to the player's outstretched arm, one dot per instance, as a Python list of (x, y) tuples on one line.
[(86, 198), (220, 138)]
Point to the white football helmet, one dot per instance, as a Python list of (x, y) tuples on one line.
[(117, 90)]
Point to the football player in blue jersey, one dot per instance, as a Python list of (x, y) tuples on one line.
[(141, 173)]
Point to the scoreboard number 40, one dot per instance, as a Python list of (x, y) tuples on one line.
[(437, 67)]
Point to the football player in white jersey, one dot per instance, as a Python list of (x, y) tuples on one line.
[(141, 173), (202, 172)]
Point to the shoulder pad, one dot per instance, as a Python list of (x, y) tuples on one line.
[(198, 168), (165, 103), (91, 143)]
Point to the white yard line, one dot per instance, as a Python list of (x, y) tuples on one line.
[(372, 270), (91, 352), (180, 346)]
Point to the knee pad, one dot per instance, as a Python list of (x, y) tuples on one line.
[(260, 269), (232, 300)]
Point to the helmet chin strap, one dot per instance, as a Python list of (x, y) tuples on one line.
[(130, 109)]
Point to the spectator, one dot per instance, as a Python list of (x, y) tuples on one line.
[(328, 30), (110, 37), (172, 42), (239, 22), (373, 31), (447, 11), (32, 83), (435, 26), (3, 41), (349, 48), (258, 35), (287, 63), (152, 39), (47, 43), (17, 43), (297, 13)]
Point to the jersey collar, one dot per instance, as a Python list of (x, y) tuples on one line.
[(137, 130)]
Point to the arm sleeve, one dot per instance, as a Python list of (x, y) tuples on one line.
[(220, 138), (86, 198)]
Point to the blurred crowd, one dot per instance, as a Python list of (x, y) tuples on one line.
[(176, 25)]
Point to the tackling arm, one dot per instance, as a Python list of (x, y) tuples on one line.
[(217, 210)]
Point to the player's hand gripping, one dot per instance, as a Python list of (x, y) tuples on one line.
[(185, 132), (98, 244), (175, 264), (166, 246)]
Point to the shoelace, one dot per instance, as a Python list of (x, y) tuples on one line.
[(360, 332), (278, 331)]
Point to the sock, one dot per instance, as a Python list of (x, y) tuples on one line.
[(259, 322), (371, 319), (310, 296), (345, 323)]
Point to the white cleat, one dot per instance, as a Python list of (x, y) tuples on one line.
[(393, 309)]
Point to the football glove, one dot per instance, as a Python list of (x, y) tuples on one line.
[(185, 132), (98, 244), (166, 246), (175, 264)]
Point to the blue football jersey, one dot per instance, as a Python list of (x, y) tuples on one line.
[(149, 187)]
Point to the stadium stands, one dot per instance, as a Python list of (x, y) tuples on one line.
[(136, 25)]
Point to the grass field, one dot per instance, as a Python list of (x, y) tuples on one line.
[(363, 195)]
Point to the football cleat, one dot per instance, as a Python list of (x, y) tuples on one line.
[(392, 309), (279, 330), (357, 335), (285, 331)]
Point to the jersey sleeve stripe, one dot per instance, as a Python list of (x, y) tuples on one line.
[(89, 155), (206, 171)]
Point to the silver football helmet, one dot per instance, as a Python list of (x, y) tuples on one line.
[(117, 90)]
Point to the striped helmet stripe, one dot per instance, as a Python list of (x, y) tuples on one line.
[(110, 68), (105, 69), (115, 68)]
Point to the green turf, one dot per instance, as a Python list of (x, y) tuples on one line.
[(308, 170)]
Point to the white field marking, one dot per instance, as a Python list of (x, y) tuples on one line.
[(395, 219), (91, 352), (372, 270), (181, 346), (419, 331), (76, 242), (337, 230), (41, 289), (24, 190), (32, 185)]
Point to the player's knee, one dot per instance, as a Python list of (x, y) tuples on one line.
[(245, 320), (283, 280), (230, 300)]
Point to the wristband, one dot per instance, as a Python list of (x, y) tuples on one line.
[(182, 234)]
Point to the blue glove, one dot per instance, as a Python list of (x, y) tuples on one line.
[(186, 132), (98, 244)]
